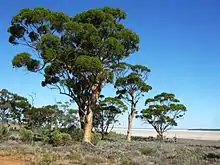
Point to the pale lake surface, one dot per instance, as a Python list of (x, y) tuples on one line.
[(184, 134)]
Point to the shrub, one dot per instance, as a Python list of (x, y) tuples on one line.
[(146, 151), (113, 136), (77, 134), (4, 133), (56, 138), (126, 162), (91, 159), (26, 135), (212, 156), (75, 157), (66, 137), (96, 137), (48, 159)]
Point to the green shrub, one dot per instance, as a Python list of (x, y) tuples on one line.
[(56, 138), (66, 137), (96, 137), (147, 151), (113, 136), (4, 133), (77, 134), (26, 135), (48, 159), (126, 162)]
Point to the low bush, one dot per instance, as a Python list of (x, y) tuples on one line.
[(56, 138), (48, 159), (77, 134), (96, 137), (126, 162), (4, 133), (212, 156), (26, 135), (147, 151), (113, 136)]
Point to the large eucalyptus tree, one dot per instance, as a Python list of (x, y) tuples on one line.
[(75, 54)]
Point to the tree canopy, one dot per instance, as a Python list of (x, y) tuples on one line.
[(107, 113), (131, 85), (12, 106), (162, 112), (75, 54), (51, 116)]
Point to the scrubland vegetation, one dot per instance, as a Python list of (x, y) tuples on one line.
[(77, 56), (113, 150)]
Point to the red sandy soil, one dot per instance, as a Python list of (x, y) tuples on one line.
[(9, 160)]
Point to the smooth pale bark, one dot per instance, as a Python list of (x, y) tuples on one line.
[(130, 119), (88, 127)]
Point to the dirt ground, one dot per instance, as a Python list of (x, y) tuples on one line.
[(10, 160)]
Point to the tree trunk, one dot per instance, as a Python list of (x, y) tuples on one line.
[(88, 127), (89, 115), (82, 117), (130, 119), (160, 136), (82, 122)]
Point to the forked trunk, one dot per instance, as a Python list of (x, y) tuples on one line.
[(130, 119), (88, 127)]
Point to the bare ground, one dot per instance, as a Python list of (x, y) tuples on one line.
[(10, 160)]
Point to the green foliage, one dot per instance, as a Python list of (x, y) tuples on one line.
[(126, 162), (12, 106), (25, 60), (45, 116), (131, 85), (58, 116), (55, 137), (96, 137), (76, 54), (115, 137), (48, 159), (87, 64), (147, 151), (162, 112), (68, 118), (107, 113), (77, 134), (26, 135), (4, 133), (131, 81)]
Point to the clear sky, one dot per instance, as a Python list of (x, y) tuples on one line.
[(180, 43)]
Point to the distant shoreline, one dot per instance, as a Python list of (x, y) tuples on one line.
[(182, 129), (201, 129)]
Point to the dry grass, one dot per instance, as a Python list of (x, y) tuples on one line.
[(117, 153)]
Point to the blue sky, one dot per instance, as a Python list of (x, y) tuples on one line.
[(180, 42)]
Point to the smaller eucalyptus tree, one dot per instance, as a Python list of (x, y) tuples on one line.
[(131, 86), (162, 112)]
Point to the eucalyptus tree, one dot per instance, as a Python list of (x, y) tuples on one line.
[(75, 54), (12, 106), (131, 86), (107, 113), (162, 112)]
